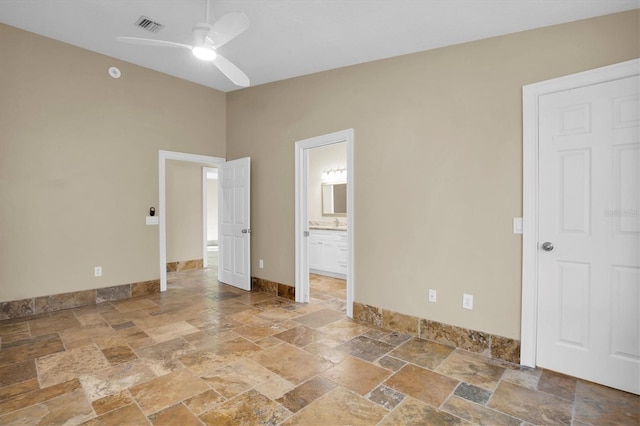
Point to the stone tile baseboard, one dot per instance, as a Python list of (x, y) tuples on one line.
[(486, 344), (74, 299), (183, 265), (272, 287)]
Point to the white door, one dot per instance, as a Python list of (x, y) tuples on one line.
[(589, 246), (234, 239)]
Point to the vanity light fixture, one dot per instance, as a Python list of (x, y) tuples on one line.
[(334, 175)]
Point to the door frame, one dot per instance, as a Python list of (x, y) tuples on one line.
[(163, 156), (302, 214), (205, 212), (530, 111)]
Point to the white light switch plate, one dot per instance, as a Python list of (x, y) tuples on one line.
[(153, 220), (517, 225)]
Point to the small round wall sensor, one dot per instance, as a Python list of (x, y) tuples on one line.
[(114, 72)]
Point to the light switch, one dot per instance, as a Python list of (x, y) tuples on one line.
[(517, 225), (153, 220)]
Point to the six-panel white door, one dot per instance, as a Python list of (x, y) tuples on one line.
[(234, 265), (589, 199)]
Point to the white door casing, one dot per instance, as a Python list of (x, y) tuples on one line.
[(580, 300), (234, 236), (163, 156), (302, 218)]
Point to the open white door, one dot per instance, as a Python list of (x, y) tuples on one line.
[(235, 230), (589, 256)]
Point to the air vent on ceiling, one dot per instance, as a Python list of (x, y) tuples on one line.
[(148, 24)]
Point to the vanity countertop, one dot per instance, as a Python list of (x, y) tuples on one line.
[(328, 228)]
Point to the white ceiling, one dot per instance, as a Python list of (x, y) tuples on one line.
[(289, 38)]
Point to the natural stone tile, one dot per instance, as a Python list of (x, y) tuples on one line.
[(476, 413), (304, 394), (338, 407), (63, 366), (18, 372), (53, 324), (167, 390), (163, 358), (276, 302), (175, 415), (7, 328), (505, 349), (145, 287), (458, 337), (529, 405), (367, 314), (171, 331), (28, 385), (257, 332), (250, 408), (128, 305), (204, 401), (72, 337), (395, 338), (414, 412), (119, 354), (24, 350), (300, 336), (523, 376), (69, 408), (319, 318), (400, 322), (422, 352), (108, 294), (293, 364), (58, 302), (111, 402), (473, 393), (390, 363), (600, 405), (127, 415), (238, 377), (115, 379), (422, 384), (471, 368), (286, 291), (558, 384), (275, 388), (342, 330), (277, 315), (357, 375), (386, 397), (17, 309), (9, 338), (134, 337), (37, 396), (365, 348), (326, 352)]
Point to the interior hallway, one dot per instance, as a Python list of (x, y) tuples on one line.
[(207, 353)]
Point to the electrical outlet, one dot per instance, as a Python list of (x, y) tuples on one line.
[(261, 263), (433, 295), (467, 301), (97, 271)]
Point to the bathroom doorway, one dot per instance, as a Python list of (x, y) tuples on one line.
[(327, 241)]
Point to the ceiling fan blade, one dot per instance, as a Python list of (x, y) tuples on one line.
[(152, 42), (227, 28), (232, 72)]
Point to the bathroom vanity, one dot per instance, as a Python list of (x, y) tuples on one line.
[(328, 252)]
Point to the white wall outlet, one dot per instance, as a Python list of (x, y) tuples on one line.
[(97, 271), (261, 263), (433, 295), (467, 301)]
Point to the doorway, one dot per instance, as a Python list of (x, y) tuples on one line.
[(210, 252), (303, 229)]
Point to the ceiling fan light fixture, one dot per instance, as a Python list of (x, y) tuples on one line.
[(204, 53)]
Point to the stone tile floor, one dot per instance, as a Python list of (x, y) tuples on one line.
[(207, 353)]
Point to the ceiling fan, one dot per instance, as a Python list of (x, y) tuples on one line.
[(207, 38)]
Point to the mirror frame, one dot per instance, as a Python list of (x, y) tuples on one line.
[(322, 186)]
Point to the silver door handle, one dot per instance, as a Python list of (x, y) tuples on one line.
[(547, 246), (246, 231)]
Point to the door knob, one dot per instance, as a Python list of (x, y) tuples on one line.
[(547, 246)]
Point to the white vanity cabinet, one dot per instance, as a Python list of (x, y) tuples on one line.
[(328, 253)]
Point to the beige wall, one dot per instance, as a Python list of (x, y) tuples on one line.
[(321, 159), (439, 133), (212, 210), (79, 163), (184, 210)]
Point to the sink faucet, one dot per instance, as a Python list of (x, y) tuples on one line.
[(337, 222)]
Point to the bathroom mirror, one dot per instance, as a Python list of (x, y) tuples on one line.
[(334, 199)]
